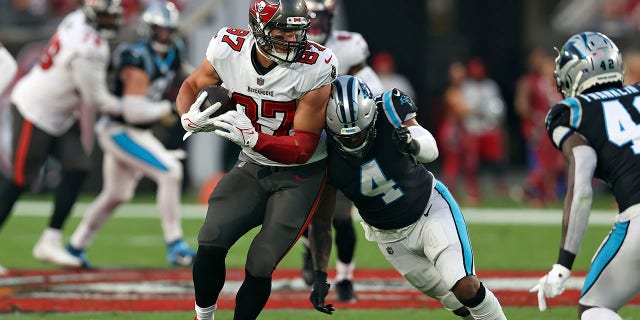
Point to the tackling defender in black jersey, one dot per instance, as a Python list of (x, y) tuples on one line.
[(597, 128), (375, 151)]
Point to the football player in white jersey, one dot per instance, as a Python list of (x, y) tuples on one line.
[(144, 72), (46, 102), (8, 66), (281, 83), (352, 51)]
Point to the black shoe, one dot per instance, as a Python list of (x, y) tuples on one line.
[(307, 267), (344, 290)]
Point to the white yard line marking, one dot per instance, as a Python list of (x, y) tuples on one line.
[(472, 215)]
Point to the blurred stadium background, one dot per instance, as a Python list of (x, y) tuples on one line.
[(424, 37)]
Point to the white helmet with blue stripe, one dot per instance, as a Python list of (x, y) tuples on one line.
[(351, 115), (586, 60), (160, 21)]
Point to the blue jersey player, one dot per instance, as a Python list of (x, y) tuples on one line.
[(597, 128), (375, 155), (144, 72)]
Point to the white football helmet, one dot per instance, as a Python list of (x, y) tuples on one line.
[(586, 60), (351, 115), (287, 15), (321, 13), (104, 15), (159, 23)]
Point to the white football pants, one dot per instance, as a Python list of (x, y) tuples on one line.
[(434, 252), (612, 281), (130, 154)]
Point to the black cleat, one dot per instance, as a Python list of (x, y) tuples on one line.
[(307, 267), (344, 290)]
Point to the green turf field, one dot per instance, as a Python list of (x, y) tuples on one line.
[(133, 239)]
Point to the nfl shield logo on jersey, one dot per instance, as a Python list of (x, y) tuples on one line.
[(389, 250), (260, 81)]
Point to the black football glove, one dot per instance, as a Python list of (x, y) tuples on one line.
[(319, 293), (404, 142)]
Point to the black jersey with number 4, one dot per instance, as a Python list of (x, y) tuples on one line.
[(610, 121), (389, 188)]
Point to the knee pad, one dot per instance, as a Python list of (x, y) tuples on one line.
[(450, 302), (429, 281), (116, 196), (261, 261), (175, 172), (423, 278)]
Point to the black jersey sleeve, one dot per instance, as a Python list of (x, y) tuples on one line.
[(561, 121), (397, 106)]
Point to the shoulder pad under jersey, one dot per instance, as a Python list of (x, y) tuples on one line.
[(226, 41), (397, 106), (562, 120)]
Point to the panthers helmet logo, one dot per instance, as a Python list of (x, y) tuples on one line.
[(263, 11)]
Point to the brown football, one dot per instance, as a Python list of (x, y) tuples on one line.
[(218, 94)]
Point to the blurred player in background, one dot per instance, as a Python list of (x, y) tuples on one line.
[(8, 70), (352, 51), (376, 150), (535, 94), (596, 127), (46, 102), (483, 139), (144, 72), (281, 83)]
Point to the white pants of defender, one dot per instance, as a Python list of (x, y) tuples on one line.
[(612, 279), (129, 154), (434, 252)]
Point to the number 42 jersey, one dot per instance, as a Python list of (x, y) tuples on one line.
[(610, 121)]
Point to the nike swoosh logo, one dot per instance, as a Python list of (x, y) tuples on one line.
[(328, 60), (299, 178)]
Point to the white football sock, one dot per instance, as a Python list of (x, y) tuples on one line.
[(205, 313), (488, 309), (600, 314), (344, 271), (168, 195)]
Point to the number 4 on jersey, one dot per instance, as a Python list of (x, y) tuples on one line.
[(373, 182), (621, 129)]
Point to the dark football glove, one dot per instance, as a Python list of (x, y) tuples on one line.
[(319, 293), (404, 142)]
